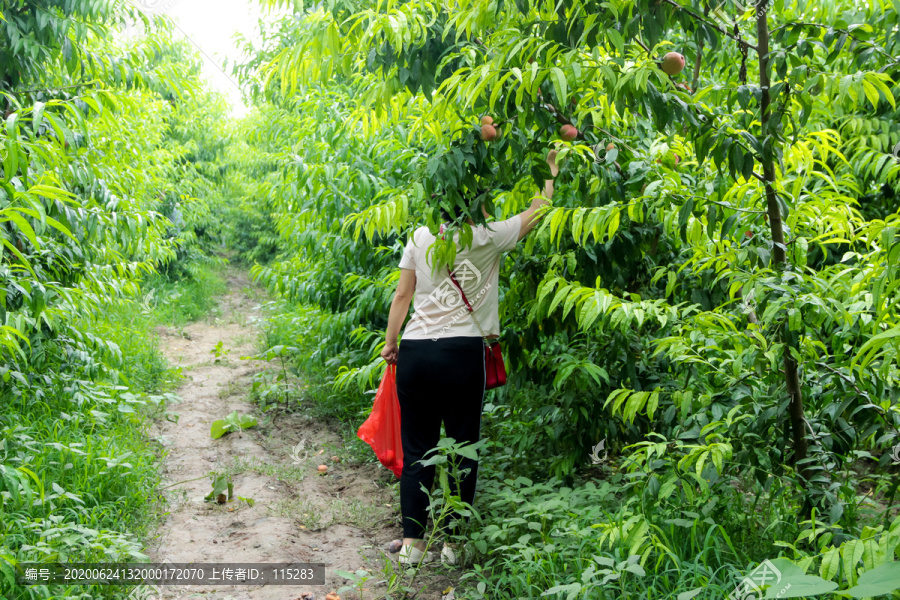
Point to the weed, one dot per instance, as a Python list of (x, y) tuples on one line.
[(180, 301), (355, 512), (78, 470), (289, 474), (358, 581), (234, 422), (302, 510), (234, 387), (219, 351)]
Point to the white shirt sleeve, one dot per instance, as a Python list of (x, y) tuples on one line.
[(408, 260), (505, 234)]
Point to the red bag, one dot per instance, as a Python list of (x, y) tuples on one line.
[(382, 429), (494, 367)]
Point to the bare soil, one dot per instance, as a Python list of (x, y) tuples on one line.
[(344, 518)]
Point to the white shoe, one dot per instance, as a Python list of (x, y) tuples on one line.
[(410, 555), (448, 555)]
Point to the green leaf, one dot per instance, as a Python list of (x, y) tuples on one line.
[(880, 580), (685, 212), (689, 594), (831, 563), (24, 226), (233, 422), (794, 583), (7, 563), (11, 124), (613, 224), (560, 85), (571, 590), (221, 484), (218, 429), (37, 116), (616, 38)]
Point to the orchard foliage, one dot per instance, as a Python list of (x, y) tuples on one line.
[(713, 290), (104, 153), (716, 237)]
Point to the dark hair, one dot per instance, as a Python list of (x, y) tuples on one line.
[(457, 211), (451, 217)]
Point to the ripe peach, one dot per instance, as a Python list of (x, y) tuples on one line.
[(488, 133), (568, 132), (672, 63)]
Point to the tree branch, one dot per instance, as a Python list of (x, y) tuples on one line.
[(723, 31)]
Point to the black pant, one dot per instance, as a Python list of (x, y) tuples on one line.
[(437, 380)]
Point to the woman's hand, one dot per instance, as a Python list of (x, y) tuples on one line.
[(389, 352), (551, 160)]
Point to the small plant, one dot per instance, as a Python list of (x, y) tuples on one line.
[(233, 422), (355, 512), (446, 507), (358, 580), (219, 351), (223, 490), (275, 385)]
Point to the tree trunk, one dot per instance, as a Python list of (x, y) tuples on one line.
[(791, 375)]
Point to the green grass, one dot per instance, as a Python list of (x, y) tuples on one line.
[(289, 474), (142, 366), (79, 474), (181, 301), (535, 536), (354, 512), (81, 433)]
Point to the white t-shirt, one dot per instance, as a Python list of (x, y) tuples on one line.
[(439, 310)]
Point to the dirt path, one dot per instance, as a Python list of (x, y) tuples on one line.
[(343, 519)]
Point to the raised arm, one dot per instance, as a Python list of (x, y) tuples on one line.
[(529, 221)]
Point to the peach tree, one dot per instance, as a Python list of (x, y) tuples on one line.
[(718, 267)]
